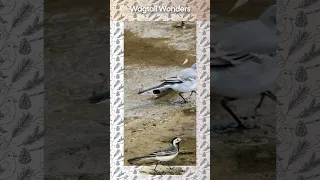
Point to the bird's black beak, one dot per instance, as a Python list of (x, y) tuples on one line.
[(291, 19), (15, 156), (15, 101)]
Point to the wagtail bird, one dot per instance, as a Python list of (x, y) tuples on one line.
[(184, 82), (162, 155), (242, 75)]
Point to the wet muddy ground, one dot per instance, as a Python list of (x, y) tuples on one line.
[(77, 140)]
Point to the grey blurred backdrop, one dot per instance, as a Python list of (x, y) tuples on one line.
[(77, 69)]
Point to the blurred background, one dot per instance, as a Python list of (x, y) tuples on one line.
[(77, 66), (248, 11), (251, 154)]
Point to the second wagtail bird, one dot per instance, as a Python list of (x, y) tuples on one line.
[(253, 36), (184, 82), (162, 155), (242, 60)]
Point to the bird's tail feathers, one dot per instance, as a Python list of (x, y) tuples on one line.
[(132, 160), (156, 89)]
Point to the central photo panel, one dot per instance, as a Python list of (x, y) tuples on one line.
[(160, 93)]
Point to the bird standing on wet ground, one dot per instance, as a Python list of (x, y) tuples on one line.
[(184, 82), (162, 155), (242, 61), (181, 26)]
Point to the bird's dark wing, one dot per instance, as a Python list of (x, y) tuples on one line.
[(229, 59), (164, 152), (172, 80)]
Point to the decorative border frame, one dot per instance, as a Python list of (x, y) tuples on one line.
[(297, 53), (22, 80), (118, 171)]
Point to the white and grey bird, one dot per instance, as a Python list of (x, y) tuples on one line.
[(162, 155), (7, 165), (242, 75), (243, 62), (184, 82), (7, 110), (253, 36), (7, 55)]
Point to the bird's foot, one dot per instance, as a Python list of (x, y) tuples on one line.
[(177, 101), (183, 102)]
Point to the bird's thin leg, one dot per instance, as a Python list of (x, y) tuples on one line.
[(156, 166), (224, 103), (180, 94), (273, 97), (263, 95)]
